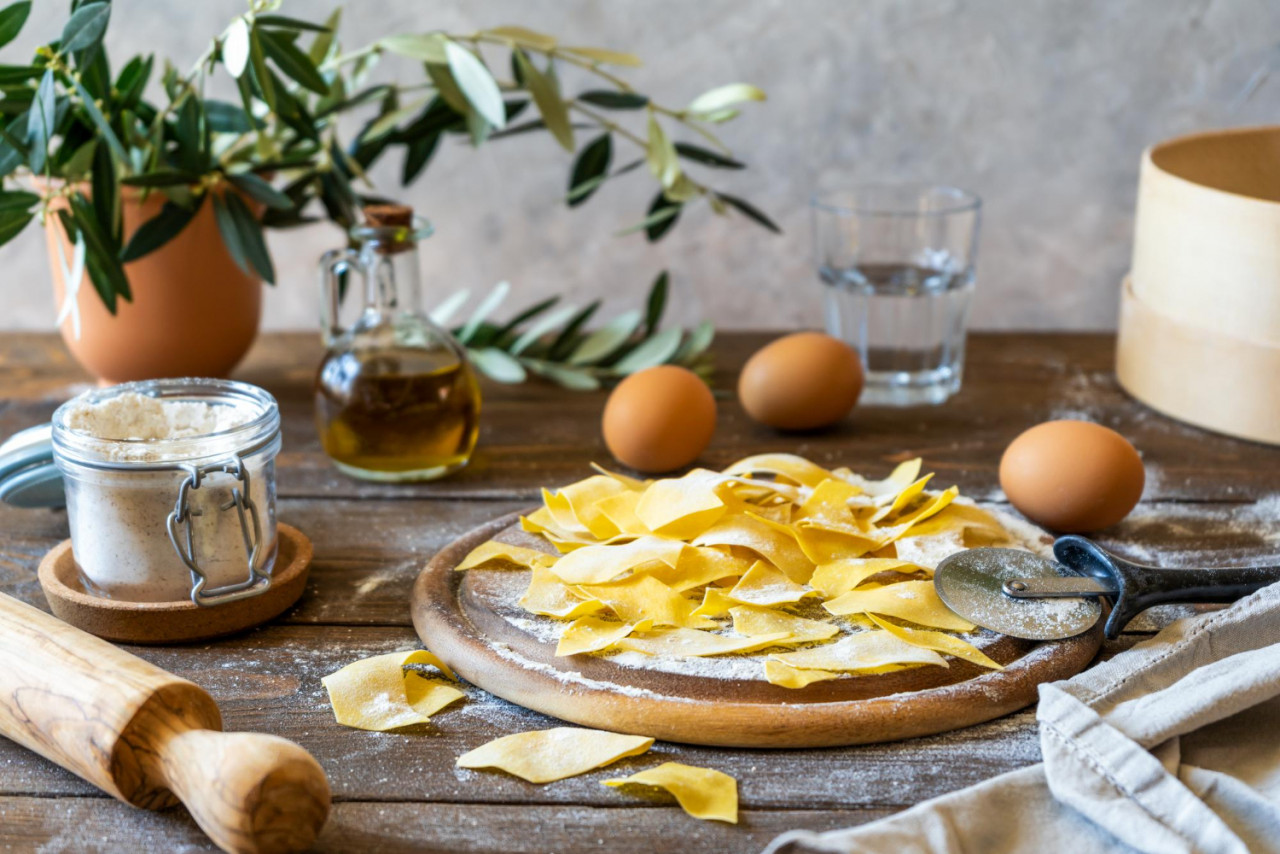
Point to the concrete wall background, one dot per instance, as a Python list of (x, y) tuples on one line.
[(1041, 106)]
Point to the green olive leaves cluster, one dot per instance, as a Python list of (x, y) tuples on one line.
[(272, 156)]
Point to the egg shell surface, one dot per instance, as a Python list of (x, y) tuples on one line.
[(801, 381), (659, 419), (1072, 476)]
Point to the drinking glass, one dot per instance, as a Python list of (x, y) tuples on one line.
[(896, 263)]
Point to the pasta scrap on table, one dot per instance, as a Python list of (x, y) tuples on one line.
[(701, 792), (380, 694), (543, 756), (815, 573)]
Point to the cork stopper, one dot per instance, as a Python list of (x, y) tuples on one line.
[(391, 216)]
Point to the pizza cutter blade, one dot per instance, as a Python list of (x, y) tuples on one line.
[(971, 583), (1024, 595)]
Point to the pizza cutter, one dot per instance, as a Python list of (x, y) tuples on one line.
[(1024, 595)]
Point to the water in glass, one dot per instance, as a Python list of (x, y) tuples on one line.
[(907, 323)]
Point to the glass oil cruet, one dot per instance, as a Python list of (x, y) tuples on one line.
[(396, 398)]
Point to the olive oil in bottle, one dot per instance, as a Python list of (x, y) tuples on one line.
[(396, 399)]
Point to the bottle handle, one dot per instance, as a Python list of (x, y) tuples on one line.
[(335, 269)]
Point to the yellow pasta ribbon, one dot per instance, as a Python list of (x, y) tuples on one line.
[(914, 601), (939, 641), (701, 792), (543, 756), (379, 694)]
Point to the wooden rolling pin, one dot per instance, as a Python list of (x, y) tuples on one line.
[(150, 738)]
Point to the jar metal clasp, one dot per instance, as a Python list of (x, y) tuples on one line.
[(181, 533)]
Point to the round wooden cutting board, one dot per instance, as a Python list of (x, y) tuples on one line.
[(463, 618)]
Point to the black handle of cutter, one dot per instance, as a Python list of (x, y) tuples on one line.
[(1142, 587)]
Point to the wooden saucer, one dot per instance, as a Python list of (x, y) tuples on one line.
[(173, 622)]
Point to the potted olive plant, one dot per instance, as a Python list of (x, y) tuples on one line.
[(154, 198)]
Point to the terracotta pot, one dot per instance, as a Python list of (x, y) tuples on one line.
[(194, 312)]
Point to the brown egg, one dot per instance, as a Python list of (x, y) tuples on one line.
[(801, 381), (659, 419), (1072, 476)]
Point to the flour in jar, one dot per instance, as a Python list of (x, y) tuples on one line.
[(138, 416), (118, 512)]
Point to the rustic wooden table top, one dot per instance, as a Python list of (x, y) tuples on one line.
[(1208, 498)]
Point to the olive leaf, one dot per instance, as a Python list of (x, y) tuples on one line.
[(722, 97), (319, 51), (447, 309), (101, 283), (611, 57), (448, 89), (476, 83), (223, 117), (655, 351), (389, 121), (41, 122), (242, 234), (536, 331), (160, 229), (100, 250), (546, 95), (606, 340), (486, 307), (524, 37), (260, 191), (85, 27), (697, 342), (106, 198), (656, 303), (235, 47), (590, 169), (568, 337), (707, 157), (163, 178), (416, 156), (614, 100), (661, 216), (528, 314), (575, 380), (661, 154), (262, 74), (15, 212), (12, 17), (288, 23), (428, 47), (497, 365), (293, 62), (750, 211)]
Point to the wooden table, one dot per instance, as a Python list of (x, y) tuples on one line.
[(401, 792)]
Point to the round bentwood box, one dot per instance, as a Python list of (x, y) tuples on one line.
[(1199, 336)]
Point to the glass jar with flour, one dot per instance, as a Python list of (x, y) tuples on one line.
[(171, 489)]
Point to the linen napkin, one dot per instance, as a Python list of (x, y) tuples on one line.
[(1172, 746)]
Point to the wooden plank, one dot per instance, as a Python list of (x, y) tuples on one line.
[(269, 681), (92, 826), (535, 435)]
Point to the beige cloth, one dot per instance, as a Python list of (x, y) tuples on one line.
[(1172, 746)]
